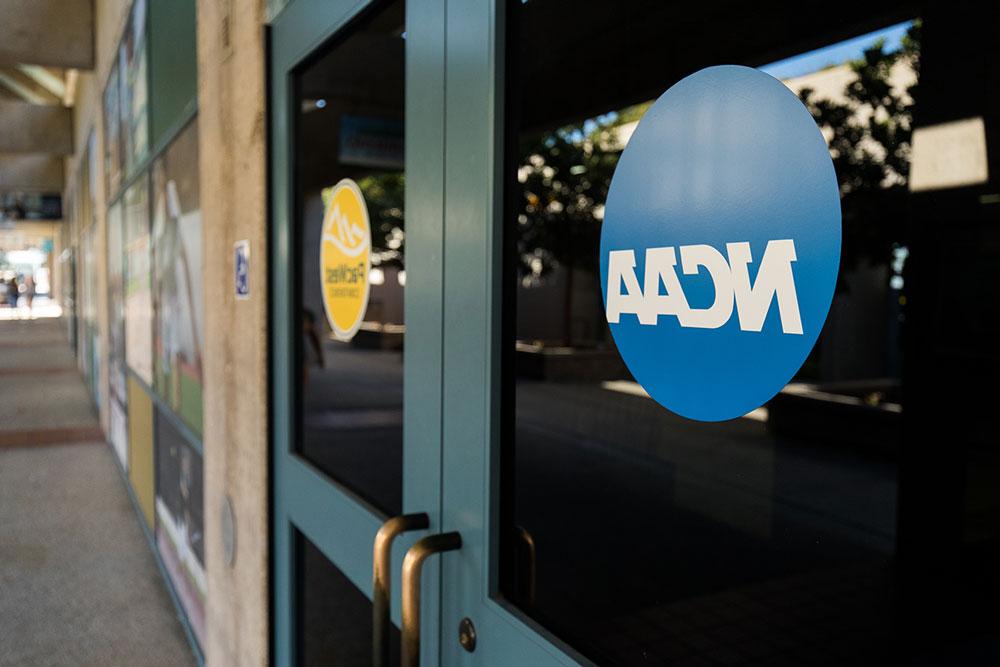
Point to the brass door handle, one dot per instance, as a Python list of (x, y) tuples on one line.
[(412, 566), (382, 580), (527, 558)]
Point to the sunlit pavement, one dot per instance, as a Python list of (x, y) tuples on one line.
[(78, 583), (42, 309)]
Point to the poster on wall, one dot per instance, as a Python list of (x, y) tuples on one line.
[(116, 302), (138, 292), (180, 520), (178, 329)]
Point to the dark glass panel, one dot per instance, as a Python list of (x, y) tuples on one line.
[(349, 125), (335, 618), (855, 518)]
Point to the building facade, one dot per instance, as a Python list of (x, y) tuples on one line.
[(554, 513)]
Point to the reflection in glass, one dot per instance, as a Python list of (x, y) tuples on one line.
[(335, 618), (350, 125), (798, 533)]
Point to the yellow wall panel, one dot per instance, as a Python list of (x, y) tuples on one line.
[(140, 447)]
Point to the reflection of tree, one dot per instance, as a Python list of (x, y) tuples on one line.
[(564, 176), (869, 134), (384, 197)]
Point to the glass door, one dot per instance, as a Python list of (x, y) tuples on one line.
[(478, 625), (355, 303), (853, 519)]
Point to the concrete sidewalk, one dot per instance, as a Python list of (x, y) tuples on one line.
[(78, 583)]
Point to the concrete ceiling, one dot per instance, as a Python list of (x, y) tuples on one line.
[(42, 44), (35, 128), (55, 33)]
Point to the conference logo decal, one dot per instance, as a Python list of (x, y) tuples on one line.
[(345, 259), (720, 245)]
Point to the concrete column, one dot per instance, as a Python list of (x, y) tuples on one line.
[(231, 98)]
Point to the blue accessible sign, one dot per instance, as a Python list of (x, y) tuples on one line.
[(720, 245), (241, 269)]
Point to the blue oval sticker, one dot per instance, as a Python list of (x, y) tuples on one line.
[(720, 245)]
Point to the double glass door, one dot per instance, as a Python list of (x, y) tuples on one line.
[(439, 170)]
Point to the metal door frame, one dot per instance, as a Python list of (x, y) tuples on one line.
[(337, 521), (474, 183)]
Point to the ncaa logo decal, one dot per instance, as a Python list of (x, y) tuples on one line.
[(720, 245), (345, 259)]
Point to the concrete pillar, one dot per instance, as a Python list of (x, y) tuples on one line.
[(232, 128)]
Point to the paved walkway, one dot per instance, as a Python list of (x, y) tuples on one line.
[(78, 583)]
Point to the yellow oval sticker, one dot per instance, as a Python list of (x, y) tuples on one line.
[(345, 259)]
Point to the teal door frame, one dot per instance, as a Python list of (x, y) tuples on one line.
[(472, 348), (337, 521)]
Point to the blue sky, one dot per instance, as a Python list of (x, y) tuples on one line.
[(836, 54)]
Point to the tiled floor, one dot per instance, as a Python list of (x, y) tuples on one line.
[(78, 583)]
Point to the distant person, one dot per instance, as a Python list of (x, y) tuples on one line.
[(312, 349), (29, 291), (13, 291)]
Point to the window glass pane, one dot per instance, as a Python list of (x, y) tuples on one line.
[(177, 293), (820, 526), (89, 330), (180, 521), (138, 297), (132, 60), (113, 132), (349, 125), (116, 331), (335, 618), (173, 64)]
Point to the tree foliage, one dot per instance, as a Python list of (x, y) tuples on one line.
[(869, 134), (565, 173)]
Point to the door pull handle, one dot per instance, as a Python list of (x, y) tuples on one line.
[(382, 580), (412, 566), (527, 567)]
